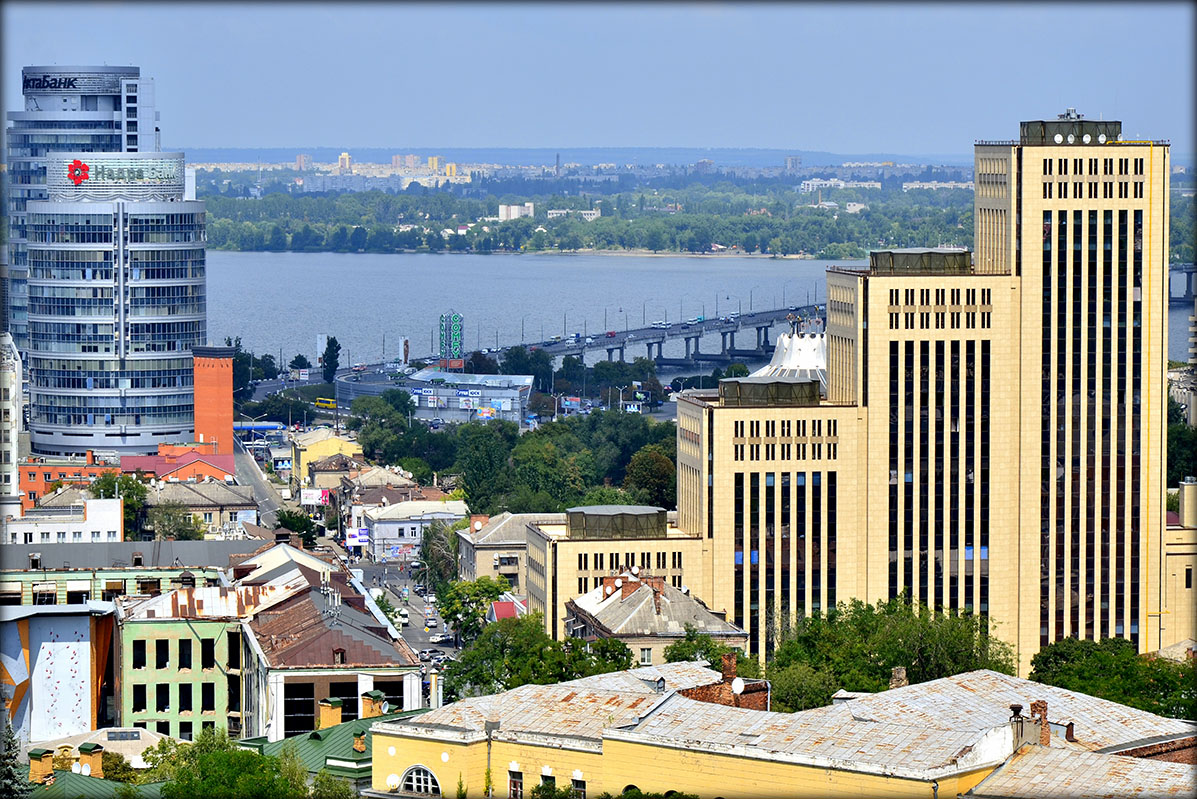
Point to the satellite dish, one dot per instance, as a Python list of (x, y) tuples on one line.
[(738, 686), (1086, 138), (477, 526), (618, 583), (86, 770), (1071, 138), (392, 781), (635, 570), (1059, 138), (76, 768), (386, 706), (1101, 138)]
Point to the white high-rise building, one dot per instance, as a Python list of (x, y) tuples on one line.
[(67, 108)]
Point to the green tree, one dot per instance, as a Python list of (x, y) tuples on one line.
[(290, 767), (800, 687), (702, 646), (117, 768), (464, 604), (438, 556), (276, 243), (170, 757), (654, 475), (243, 371), (300, 362), (517, 651), (240, 773), (856, 646), (174, 520), (297, 522), (357, 239), (326, 786), (1182, 452), (14, 774), (1111, 669), (111, 485), (331, 359), (483, 462)]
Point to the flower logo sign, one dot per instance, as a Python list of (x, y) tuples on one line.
[(77, 171)]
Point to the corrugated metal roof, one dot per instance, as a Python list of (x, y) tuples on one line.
[(511, 528), (417, 507), (639, 614), (215, 602), (827, 733), (981, 700), (315, 748), (119, 554), (68, 785), (1039, 772)]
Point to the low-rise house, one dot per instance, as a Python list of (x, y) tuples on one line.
[(681, 728), (89, 782), (647, 615), (39, 473), (84, 521), (342, 746), (314, 445), (59, 574), (395, 531), (182, 462), (128, 742), (497, 546), (217, 504), (329, 471)]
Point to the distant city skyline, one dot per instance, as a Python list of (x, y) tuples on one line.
[(902, 78)]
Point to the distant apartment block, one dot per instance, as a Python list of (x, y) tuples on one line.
[(303, 162), (815, 184), (938, 184), (344, 164), (793, 163), (507, 212), (855, 208), (588, 216), (434, 162)]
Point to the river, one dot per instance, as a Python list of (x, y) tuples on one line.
[(282, 301)]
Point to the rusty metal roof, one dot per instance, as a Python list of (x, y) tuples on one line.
[(1039, 772), (211, 602), (306, 629), (981, 700)]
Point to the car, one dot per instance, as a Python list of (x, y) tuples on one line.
[(630, 336), (430, 599), (441, 638), (590, 339), (427, 654), (419, 589), (441, 660), (610, 334)]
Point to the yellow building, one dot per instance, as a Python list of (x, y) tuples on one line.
[(434, 163), (682, 727), (567, 560), (450, 170), (990, 434), (309, 447)]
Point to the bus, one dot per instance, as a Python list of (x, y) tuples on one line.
[(325, 402)]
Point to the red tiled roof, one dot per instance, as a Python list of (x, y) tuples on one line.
[(166, 465)]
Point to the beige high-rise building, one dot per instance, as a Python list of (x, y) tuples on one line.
[(991, 437)]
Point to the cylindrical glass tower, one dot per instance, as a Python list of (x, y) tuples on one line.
[(116, 302)]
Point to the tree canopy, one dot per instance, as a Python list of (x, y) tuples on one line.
[(331, 359), (113, 484), (464, 603), (856, 646), (516, 651), (1111, 669)]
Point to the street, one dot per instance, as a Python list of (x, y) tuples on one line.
[(248, 474)]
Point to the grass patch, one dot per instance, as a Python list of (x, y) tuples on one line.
[(311, 393)]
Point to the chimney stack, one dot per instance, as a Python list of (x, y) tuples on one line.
[(359, 740), (1039, 711), (92, 754), (41, 765), (372, 704), (729, 666), (897, 677), (330, 712)]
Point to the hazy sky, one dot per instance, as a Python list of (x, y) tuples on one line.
[(902, 78)]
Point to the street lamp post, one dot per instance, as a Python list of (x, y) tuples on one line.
[(621, 388), (522, 318)]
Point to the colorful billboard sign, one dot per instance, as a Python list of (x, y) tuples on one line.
[(358, 537), (315, 496)]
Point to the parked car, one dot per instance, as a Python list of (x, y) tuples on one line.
[(441, 638), (427, 654)]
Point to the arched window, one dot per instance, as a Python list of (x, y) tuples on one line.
[(421, 781)]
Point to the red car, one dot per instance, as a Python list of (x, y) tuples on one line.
[(610, 334)]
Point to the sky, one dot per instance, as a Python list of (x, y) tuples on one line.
[(854, 78)]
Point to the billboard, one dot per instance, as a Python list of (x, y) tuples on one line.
[(632, 407), (486, 413), (452, 340), (571, 402), (305, 374), (465, 403), (314, 496), (357, 537)]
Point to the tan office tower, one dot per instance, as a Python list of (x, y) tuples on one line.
[(992, 432), (1081, 215)]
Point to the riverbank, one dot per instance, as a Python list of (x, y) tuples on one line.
[(637, 253)]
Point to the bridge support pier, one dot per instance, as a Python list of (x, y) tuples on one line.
[(728, 341), (762, 338)]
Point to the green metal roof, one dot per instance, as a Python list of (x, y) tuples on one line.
[(39, 752), (336, 742), (331, 701), (68, 785), (90, 746)]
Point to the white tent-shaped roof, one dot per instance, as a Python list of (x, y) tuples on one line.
[(800, 354)]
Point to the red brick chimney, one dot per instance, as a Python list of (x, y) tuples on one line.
[(1039, 710), (729, 666)]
